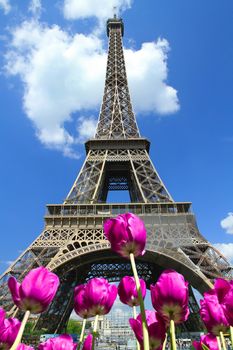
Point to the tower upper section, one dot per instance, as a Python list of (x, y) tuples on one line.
[(115, 23), (116, 119)]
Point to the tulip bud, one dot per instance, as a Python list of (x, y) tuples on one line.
[(224, 292), (36, 291), (2, 316), (127, 234), (170, 297), (208, 340), (8, 332), (156, 329), (64, 342), (80, 304), (87, 345), (127, 291), (212, 314), (99, 296)]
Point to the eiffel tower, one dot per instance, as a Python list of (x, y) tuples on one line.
[(72, 243)]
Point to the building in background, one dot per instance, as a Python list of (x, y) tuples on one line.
[(114, 329)]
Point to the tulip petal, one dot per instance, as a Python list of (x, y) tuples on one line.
[(156, 329), (14, 289), (208, 340), (128, 292), (127, 234), (212, 314), (111, 298), (87, 345), (221, 287), (31, 286), (62, 342), (137, 329), (9, 330), (224, 292), (170, 296), (36, 291), (2, 315), (99, 296), (80, 304)]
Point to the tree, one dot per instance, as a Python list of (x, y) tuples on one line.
[(74, 327)]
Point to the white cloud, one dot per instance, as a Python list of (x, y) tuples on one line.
[(86, 128), (227, 223), (35, 7), (226, 249), (74, 9), (5, 5), (61, 74), (147, 73), (64, 74)]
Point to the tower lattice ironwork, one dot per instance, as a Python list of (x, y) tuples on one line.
[(72, 243)]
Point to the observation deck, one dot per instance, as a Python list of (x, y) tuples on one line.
[(115, 23)]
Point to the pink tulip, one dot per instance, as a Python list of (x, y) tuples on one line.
[(209, 340), (36, 291), (24, 347), (80, 304), (127, 290), (224, 291), (63, 342), (87, 345), (99, 296), (156, 329), (170, 297), (212, 314), (127, 234), (2, 316), (8, 332)]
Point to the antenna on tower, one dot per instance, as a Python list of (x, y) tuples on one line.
[(115, 12)]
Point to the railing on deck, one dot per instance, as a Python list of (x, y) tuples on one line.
[(103, 209)]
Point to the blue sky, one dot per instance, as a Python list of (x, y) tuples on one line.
[(180, 67)]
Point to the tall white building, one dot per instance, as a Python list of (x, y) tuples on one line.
[(114, 328)]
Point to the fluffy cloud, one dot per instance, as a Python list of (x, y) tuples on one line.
[(60, 76), (226, 249), (74, 9), (5, 5), (227, 223), (147, 74), (63, 78)]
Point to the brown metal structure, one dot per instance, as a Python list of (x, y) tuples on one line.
[(72, 243)]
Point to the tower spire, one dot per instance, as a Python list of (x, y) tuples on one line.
[(117, 157), (114, 12), (116, 119)]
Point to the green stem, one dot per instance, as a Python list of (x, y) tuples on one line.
[(172, 335), (165, 342), (223, 341), (94, 331), (20, 333), (134, 312), (219, 343), (82, 333), (135, 316), (146, 343), (231, 336)]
